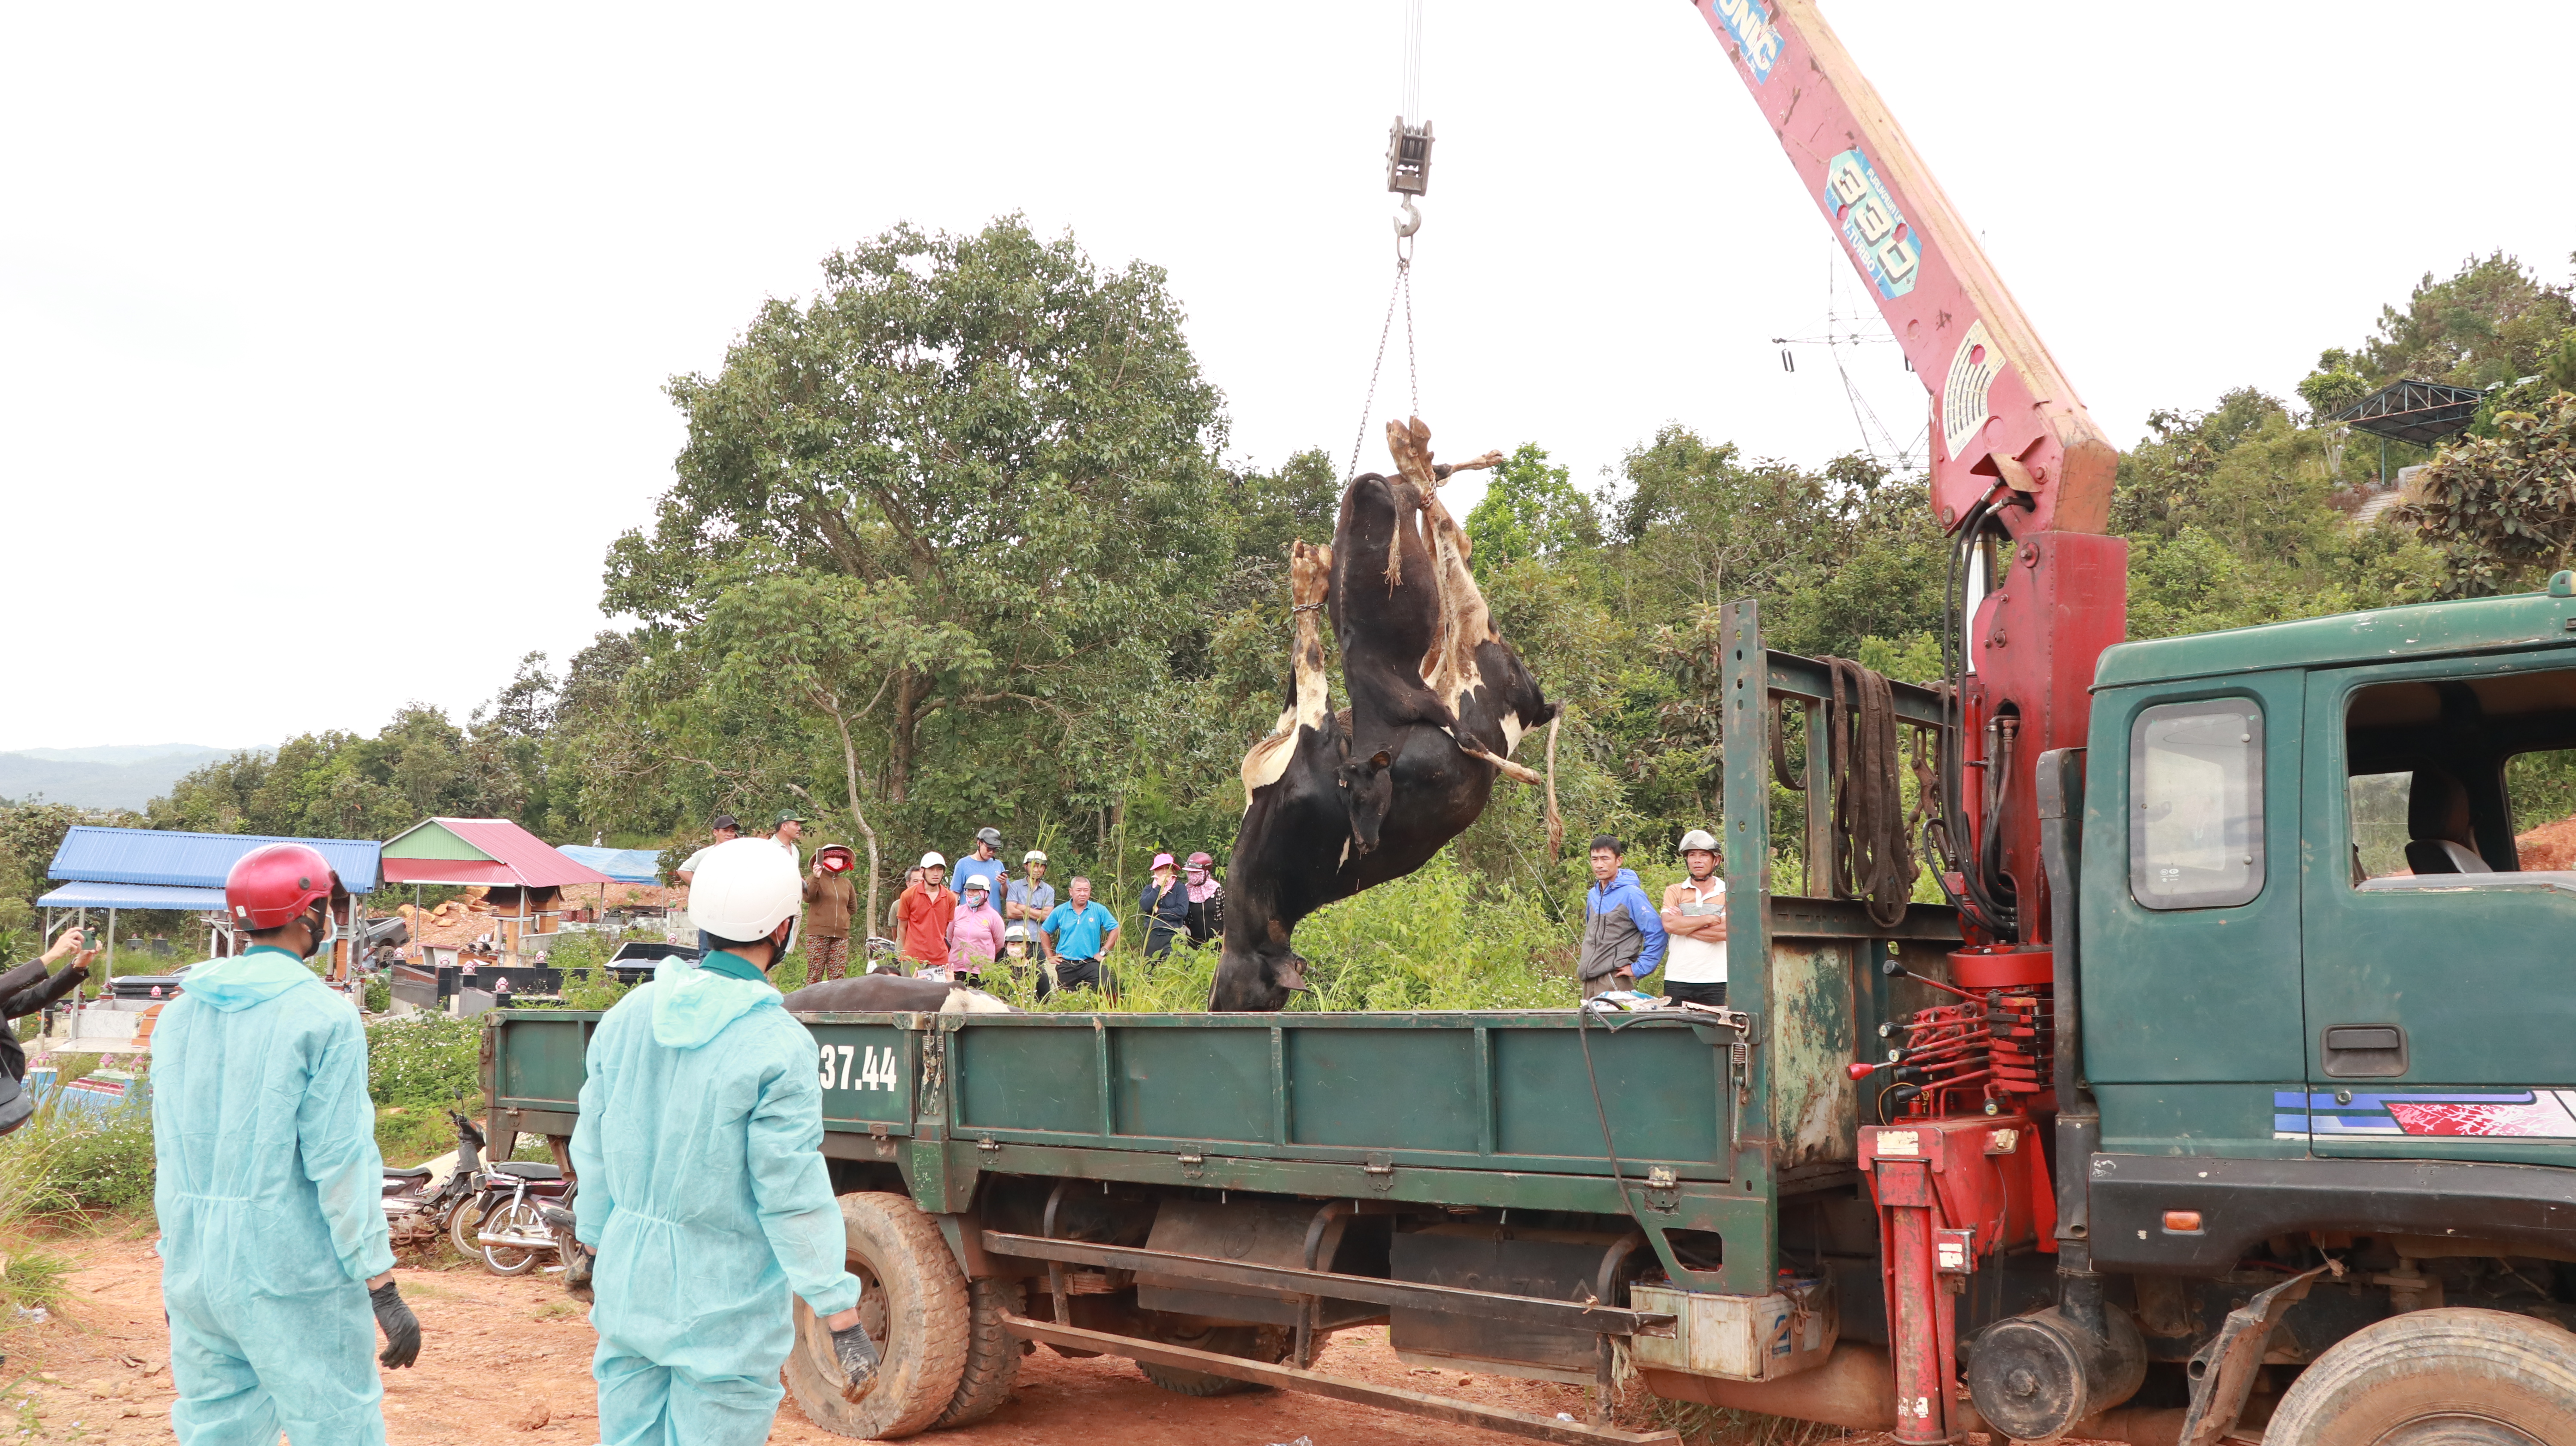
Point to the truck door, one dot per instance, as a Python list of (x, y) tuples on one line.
[(2190, 920), (2441, 950)]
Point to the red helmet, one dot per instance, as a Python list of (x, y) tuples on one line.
[(273, 885)]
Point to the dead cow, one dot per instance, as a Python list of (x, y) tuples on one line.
[(894, 994), (1438, 702)]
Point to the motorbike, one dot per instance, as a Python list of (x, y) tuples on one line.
[(504, 1222), (414, 1211)]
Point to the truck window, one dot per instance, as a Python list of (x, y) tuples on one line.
[(2540, 786), (2378, 804), (2196, 804), (2461, 782)]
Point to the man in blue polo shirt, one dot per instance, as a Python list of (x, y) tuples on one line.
[(1077, 934)]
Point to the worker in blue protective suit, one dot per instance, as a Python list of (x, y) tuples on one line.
[(269, 1187), (701, 1179)]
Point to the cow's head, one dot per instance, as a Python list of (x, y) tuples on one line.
[(1258, 975)]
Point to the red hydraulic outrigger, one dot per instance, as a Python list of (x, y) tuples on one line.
[(2021, 480)]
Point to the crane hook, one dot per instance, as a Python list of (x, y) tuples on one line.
[(1409, 222)]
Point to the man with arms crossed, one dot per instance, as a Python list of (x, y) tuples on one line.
[(1694, 915)]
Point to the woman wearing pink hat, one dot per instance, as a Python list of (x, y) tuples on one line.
[(1165, 905)]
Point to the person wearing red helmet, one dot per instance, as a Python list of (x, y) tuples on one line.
[(273, 1245)]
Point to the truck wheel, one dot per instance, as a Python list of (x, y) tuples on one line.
[(1250, 1342), (913, 1304), (2451, 1377), (992, 1353)]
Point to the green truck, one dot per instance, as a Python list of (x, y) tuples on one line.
[(2310, 1102)]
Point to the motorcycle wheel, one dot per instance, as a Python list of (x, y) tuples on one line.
[(464, 1220), (518, 1217)]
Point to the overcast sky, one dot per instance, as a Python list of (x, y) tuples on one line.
[(339, 334)]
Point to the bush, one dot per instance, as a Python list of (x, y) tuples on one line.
[(424, 1061), (96, 1161), (409, 1136)]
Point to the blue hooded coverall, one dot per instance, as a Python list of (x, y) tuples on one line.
[(703, 1188), (270, 1193)]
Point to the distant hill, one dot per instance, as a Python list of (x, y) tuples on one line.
[(123, 776)]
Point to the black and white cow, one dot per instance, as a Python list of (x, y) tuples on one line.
[(1437, 703)]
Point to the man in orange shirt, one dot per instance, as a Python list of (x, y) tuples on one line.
[(922, 913)]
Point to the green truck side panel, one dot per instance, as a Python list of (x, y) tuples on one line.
[(1813, 1035), (2194, 1119)]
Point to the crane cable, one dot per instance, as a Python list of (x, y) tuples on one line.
[(1408, 168)]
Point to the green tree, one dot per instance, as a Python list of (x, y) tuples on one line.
[(2503, 508), (2488, 323), (1530, 509), (992, 433)]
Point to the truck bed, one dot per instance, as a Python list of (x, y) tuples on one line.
[(1478, 1108)]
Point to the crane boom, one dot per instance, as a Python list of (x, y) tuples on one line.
[(2002, 411)]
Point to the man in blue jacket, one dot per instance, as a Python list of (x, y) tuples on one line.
[(1623, 935)]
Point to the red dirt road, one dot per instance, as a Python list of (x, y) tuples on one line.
[(507, 1360)]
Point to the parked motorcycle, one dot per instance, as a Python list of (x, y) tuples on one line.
[(414, 1211), (503, 1222)]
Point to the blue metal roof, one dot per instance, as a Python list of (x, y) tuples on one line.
[(193, 860), (626, 866), (133, 896)]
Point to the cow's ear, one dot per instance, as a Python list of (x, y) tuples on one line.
[(1291, 974), (1380, 759)]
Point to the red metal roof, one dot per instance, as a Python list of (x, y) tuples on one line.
[(513, 856)]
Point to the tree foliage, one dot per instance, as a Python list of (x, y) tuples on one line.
[(2503, 507)]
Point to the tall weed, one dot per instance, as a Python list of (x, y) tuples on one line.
[(424, 1061)]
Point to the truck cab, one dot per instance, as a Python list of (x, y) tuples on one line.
[(2306, 931)]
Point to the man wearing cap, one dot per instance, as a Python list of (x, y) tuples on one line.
[(726, 829), (831, 899), (1032, 898), (985, 863), (1694, 916), (791, 827), (921, 918)]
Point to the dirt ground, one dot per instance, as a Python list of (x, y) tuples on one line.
[(507, 1360)]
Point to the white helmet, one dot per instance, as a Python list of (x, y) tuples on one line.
[(745, 889), (932, 860), (1699, 839)]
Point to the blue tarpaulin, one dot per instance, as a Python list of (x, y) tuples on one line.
[(626, 866)]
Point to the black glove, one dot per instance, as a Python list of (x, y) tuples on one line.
[(401, 1327), (858, 1357)]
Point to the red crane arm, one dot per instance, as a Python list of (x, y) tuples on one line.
[(2002, 411)]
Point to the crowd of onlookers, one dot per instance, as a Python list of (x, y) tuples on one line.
[(958, 922)]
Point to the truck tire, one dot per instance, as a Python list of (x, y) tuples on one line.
[(2452, 1377), (913, 1302), (1250, 1342), (992, 1353)]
